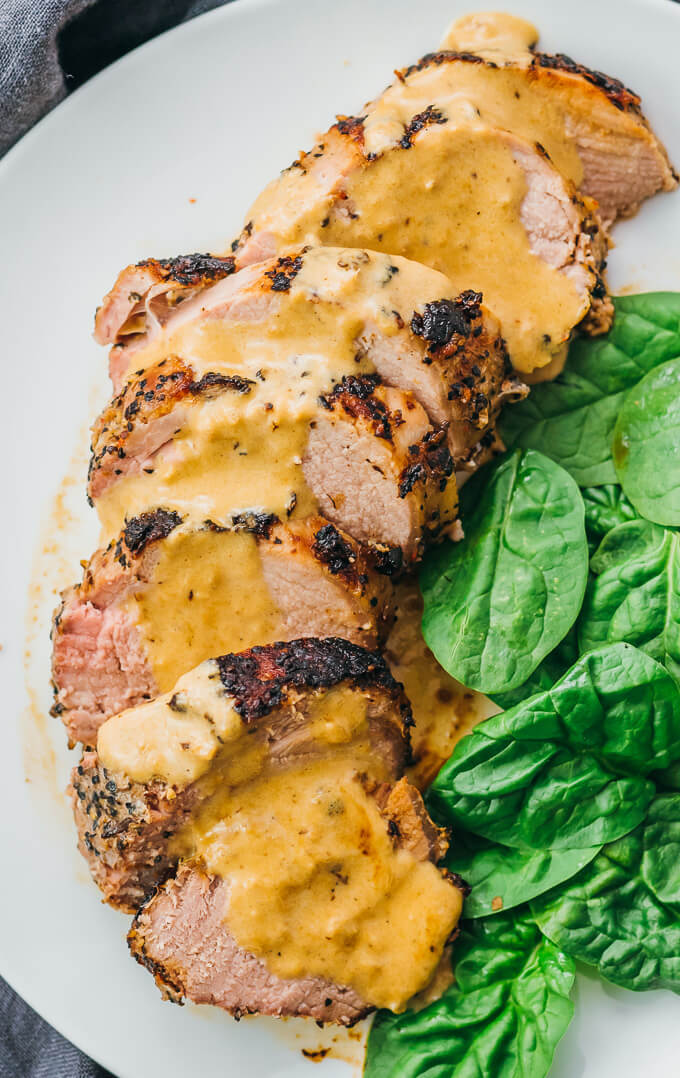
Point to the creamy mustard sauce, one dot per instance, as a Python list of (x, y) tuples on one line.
[(490, 31), (316, 883), (176, 736), (452, 200), (240, 452), (443, 709), (217, 573), (497, 97)]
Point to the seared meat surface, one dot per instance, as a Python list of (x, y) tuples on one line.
[(159, 598), (591, 124), (127, 827), (439, 187), (287, 755)]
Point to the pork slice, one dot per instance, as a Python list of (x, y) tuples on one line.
[(321, 582), (562, 229), (493, 60), (181, 935), (379, 469), (127, 829), (146, 415), (452, 357), (328, 584), (146, 301), (182, 939)]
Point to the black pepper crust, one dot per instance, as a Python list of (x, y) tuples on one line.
[(355, 396), (618, 94), (283, 273), (430, 460), (334, 551), (259, 524), (145, 398), (192, 270), (124, 829), (444, 319), (420, 121), (351, 126), (261, 678), (149, 527), (614, 90)]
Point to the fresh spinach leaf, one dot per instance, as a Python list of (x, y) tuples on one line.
[(606, 508), (634, 592), (646, 445), (568, 767), (497, 602), (546, 673), (501, 1019), (622, 912), (572, 419), (502, 878)]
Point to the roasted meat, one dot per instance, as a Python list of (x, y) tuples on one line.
[(307, 881), (128, 828), (465, 198), (165, 594), (590, 123), (283, 332)]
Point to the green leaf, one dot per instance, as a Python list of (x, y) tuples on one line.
[(606, 508), (501, 1019), (634, 594), (646, 445), (621, 913), (546, 673), (572, 419), (502, 878), (567, 768), (497, 602)]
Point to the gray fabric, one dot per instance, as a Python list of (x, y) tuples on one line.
[(29, 1048), (37, 36)]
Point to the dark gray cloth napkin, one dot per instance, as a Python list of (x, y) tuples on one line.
[(47, 49)]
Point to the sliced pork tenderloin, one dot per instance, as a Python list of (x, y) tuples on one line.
[(372, 463), (313, 868), (365, 312), (130, 822), (591, 124), (158, 285), (378, 468), (440, 187), (165, 594)]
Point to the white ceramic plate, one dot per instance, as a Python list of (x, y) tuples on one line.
[(161, 154)]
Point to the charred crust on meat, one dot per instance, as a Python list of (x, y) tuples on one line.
[(618, 94), (457, 881), (444, 319), (149, 527), (388, 561), (351, 126), (148, 397), (430, 459), (431, 115), (192, 270), (261, 678), (284, 273), (436, 59), (260, 524), (212, 380), (355, 395), (334, 551)]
